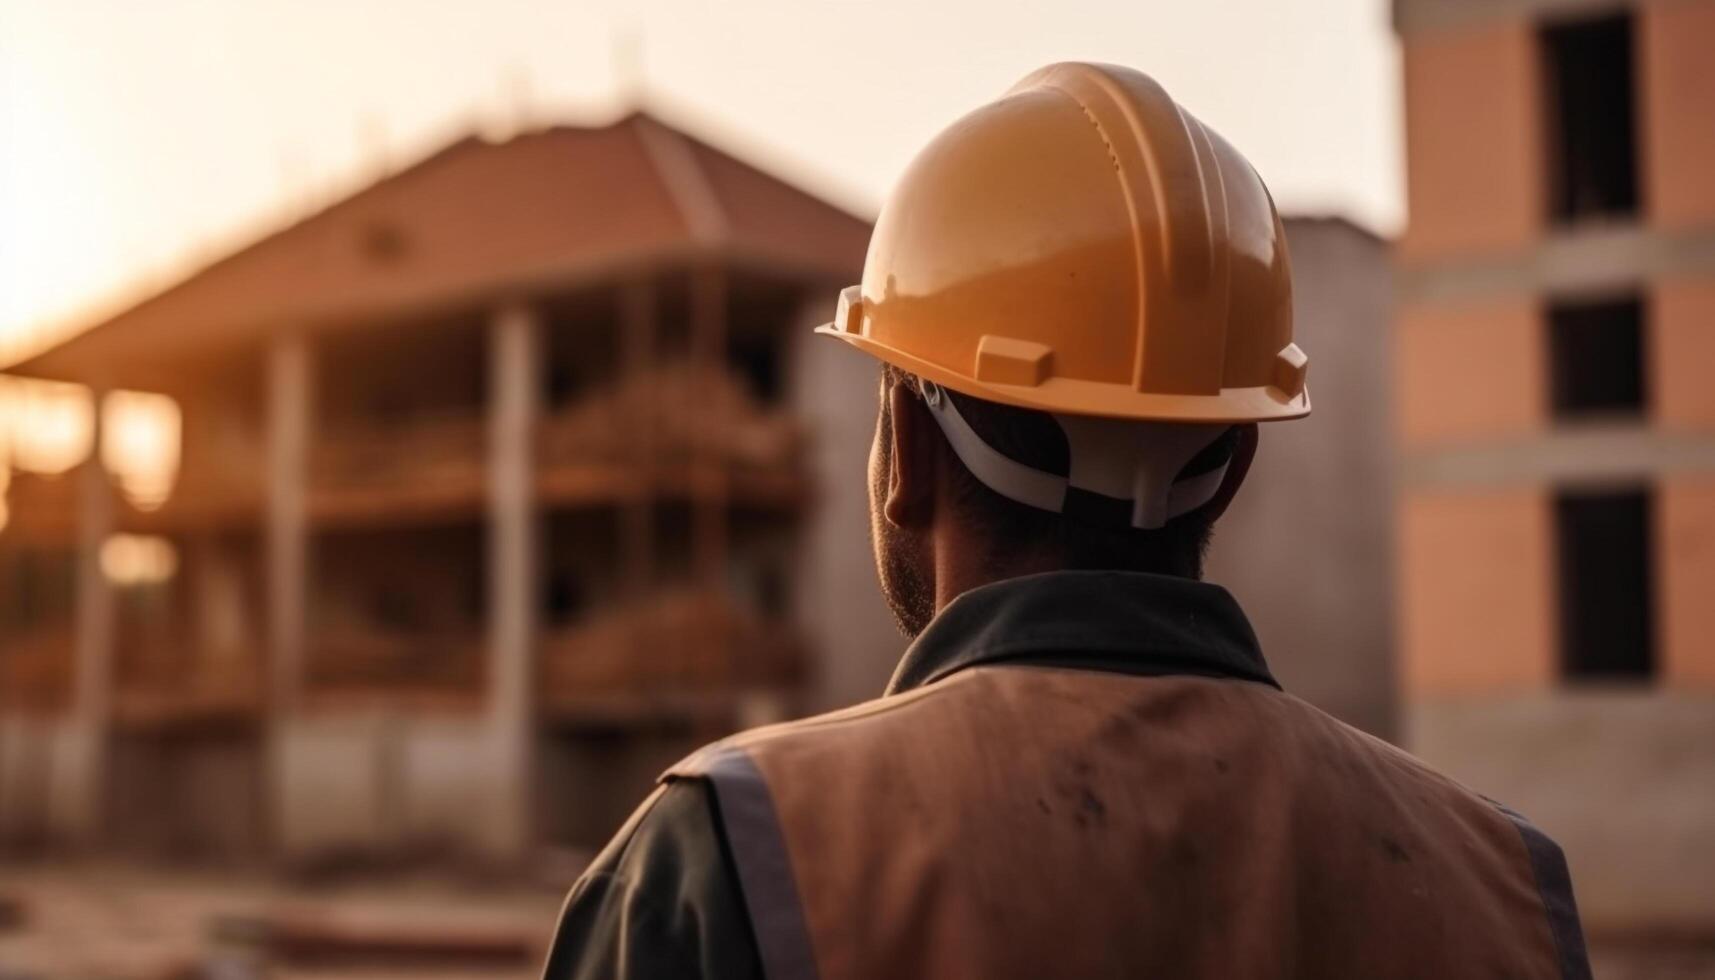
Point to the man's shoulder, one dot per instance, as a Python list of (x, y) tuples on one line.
[(832, 730), (674, 827), (661, 900)]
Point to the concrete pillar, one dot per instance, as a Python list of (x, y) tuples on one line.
[(514, 404), (290, 383), (637, 355), (288, 380), (708, 336), (82, 800)]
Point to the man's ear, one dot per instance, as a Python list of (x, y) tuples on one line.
[(1243, 453), (911, 466)]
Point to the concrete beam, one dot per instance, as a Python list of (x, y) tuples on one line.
[(1600, 258), (1590, 455), (1414, 17)]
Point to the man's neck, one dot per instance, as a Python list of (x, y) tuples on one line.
[(963, 564)]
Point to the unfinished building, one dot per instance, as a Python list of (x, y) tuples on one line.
[(1555, 328), (489, 504)]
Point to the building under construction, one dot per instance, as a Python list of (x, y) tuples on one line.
[(502, 484), (486, 483), (1556, 332)]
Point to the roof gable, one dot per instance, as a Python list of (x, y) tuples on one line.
[(476, 219)]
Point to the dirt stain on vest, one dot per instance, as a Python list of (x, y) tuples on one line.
[(1088, 809), (1122, 726), (1078, 797), (1091, 810)]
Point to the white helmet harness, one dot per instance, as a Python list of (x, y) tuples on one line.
[(1115, 464)]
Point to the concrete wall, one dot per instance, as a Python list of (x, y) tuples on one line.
[(1685, 563), (1677, 88), (1623, 780), (194, 796), (1681, 348), (376, 782), (50, 775), (1469, 371), (1464, 90), (1306, 546), (39, 780), (1476, 597)]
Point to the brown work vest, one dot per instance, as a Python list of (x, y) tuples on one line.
[(1030, 821)]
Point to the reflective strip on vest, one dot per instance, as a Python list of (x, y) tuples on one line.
[(764, 868)]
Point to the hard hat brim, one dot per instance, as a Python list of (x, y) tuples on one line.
[(1072, 396)]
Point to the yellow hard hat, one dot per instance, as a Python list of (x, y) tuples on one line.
[(1084, 246)]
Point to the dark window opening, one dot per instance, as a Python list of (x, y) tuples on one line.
[(1607, 629), (1589, 88), (772, 590), (584, 345), (394, 609), (1597, 357), (37, 589), (757, 359), (406, 373), (564, 600), (566, 381), (673, 562)]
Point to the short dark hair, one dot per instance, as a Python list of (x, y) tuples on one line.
[(1036, 440)]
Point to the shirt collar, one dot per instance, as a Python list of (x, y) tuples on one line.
[(1125, 622)]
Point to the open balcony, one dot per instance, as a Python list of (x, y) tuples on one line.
[(671, 427), (396, 616), (418, 466), (675, 654), (167, 682), (188, 639), (225, 490), (396, 421), (366, 665)]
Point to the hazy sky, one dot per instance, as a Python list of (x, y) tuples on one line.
[(139, 139)]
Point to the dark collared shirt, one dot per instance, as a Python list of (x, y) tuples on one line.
[(663, 899)]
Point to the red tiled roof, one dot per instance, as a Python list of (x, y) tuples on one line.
[(477, 219)]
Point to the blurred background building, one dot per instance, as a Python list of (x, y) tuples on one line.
[(490, 503), (1556, 330), (506, 481)]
